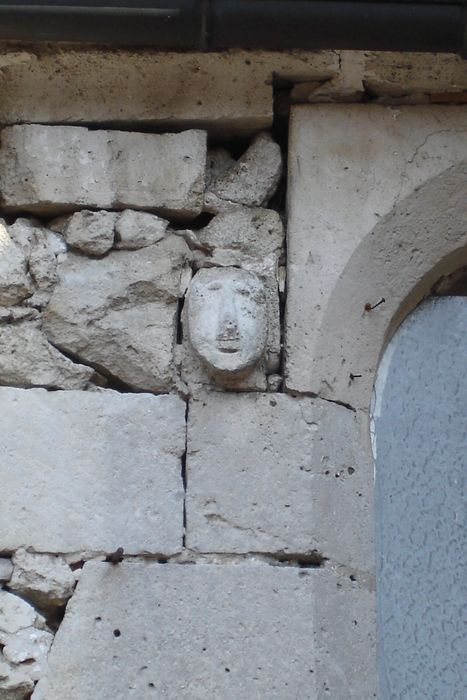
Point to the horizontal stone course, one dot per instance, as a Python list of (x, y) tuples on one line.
[(143, 630), (85, 471), (48, 169)]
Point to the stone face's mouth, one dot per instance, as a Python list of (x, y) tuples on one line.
[(228, 344)]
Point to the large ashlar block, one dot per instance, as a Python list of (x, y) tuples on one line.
[(205, 631), (46, 169), (273, 473), (85, 471), (228, 92), (375, 203)]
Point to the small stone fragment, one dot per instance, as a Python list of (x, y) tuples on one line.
[(218, 163), (28, 645), (6, 569), (44, 579), (138, 229), (252, 181), (27, 359), (16, 614), (91, 232), (15, 284), (14, 683)]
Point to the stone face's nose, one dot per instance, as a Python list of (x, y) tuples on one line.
[(228, 324)]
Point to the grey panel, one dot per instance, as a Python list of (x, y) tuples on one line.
[(420, 443)]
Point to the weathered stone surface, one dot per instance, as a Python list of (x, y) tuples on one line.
[(219, 161), (41, 248), (197, 649), (228, 92), (251, 181), (251, 239), (138, 229), (15, 283), (40, 170), (14, 683), (27, 359), (91, 232), (105, 468), (6, 569), (273, 473), (363, 227), (122, 319), (16, 614), (45, 580), (28, 648)]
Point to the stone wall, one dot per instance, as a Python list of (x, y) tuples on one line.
[(185, 388)]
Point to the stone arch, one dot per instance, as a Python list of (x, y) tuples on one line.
[(421, 239)]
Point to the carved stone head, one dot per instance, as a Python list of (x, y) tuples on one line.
[(227, 319)]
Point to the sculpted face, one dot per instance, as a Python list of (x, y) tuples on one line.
[(227, 321)]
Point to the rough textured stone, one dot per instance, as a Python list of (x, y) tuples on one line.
[(41, 248), (16, 614), (186, 633), (40, 170), (45, 580), (122, 319), (138, 229), (28, 648), (14, 683), (15, 283), (419, 444), (251, 181), (363, 227), (228, 92), (105, 468), (27, 359), (272, 473), (6, 569), (91, 232)]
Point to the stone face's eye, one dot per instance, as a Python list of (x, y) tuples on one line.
[(214, 286), (244, 291)]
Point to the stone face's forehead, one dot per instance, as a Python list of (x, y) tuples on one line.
[(225, 276)]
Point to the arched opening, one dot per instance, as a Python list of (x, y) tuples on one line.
[(419, 442)]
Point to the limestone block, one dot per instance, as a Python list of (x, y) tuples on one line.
[(16, 614), (207, 631), (138, 229), (14, 683), (28, 648), (6, 569), (365, 224), (91, 232), (119, 313), (251, 181), (45, 580), (104, 466), (15, 283), (51, 169), (273, 473), (27, 359), (227, 92), (41, 248)]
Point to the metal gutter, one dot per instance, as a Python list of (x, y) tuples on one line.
[(397, 25)]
